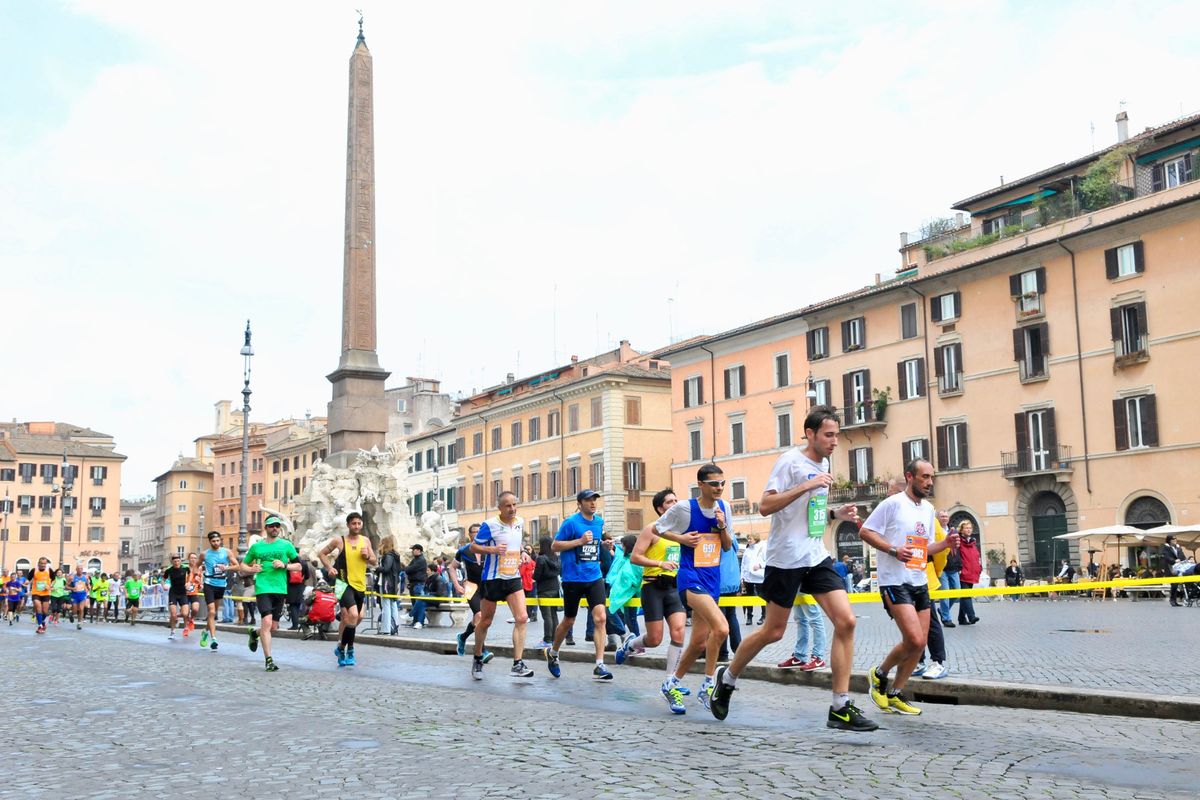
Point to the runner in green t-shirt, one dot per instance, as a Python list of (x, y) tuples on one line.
[(133, 596), (99, 595), (58, 596), (269, 560)]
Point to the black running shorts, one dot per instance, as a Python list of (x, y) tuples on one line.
[(574, 591), (213, 594), (660, 601), (905, 595), (780, 586), (271, 604), (352, 597)]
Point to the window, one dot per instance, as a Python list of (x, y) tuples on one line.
[(274, 467), (477, 443), (783, 430), (737, 490), (1036, 440), (823, 390), (419, 461), (946, 307), (597, 412), (518, 485), (1170, 174), (179, 529), (952, 446), (695, 451), (70, 473), (1123, 261), (633, 411), (477, 495), (27, 472), (818, 343), (287, 466), (451, 498), (99, 474), (597, 475), (45, 533), (535, 428), (694, 492), (48, 472), (783, 371), (856, 392), (23, 533), (573, 486), (402, 405), (911, 375), (554, 482), (181, 508), (916, 448), (1129, 331), (1027, 289), (457, 450), (200, 485), (1031, 345), (634, 475), (418, 501), (947, 362), (908, 321), (496, 434), (1136, 422), (862, 465), (553, 424), (441, 455), (737, 438), (497, 488), (573, 418), (517, 427), (25, 503), (735, 382), (47, 504), (535, 486), (854, 334), (223, 491), (693, 391), (295, 486), (8, 474), (98, 504), (633, 520)]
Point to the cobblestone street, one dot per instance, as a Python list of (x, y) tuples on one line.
[(173, 720)]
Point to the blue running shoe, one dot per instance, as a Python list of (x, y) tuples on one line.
[(674, 697), (350, 656), (462, 643), (623, 652), (601, 673), (552, 663), (341, 655)]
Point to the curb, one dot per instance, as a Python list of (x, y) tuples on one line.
[(947, 692)]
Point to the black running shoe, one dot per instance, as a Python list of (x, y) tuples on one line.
[(253, 643), (850, 719), (722, 691), (271, 667)]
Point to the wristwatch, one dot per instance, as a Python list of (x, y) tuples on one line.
[(892, 552)]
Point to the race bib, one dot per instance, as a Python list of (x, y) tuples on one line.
[(590, 551), (339, 588), (510, 562), (40, 586), (708, 551), (673, 554), (191, 587), (818, 513), (920, 551)]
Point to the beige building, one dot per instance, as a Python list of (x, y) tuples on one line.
[(63, 488), (1032, 351), (602, 423), (433, 473), (131, 523), (290, 461), (182, 499)]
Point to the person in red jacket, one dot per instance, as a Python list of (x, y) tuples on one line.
[(528, 563), (972, 566)]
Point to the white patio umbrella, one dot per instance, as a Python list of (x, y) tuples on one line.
[(1105, 532), (1186, 535)]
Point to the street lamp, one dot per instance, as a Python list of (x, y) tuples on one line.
[(67, 484), (5, 510), (247, 353)]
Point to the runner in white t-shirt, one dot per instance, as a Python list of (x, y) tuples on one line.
[(901, 528), (499, 542), (796, 499)]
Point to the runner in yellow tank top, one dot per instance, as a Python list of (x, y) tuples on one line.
[(354, 553)]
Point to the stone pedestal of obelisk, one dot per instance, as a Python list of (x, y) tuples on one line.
[(358, 413)]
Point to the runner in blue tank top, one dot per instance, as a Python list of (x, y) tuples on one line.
[(700, 572)]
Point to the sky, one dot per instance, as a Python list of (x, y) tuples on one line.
[(551, 178)]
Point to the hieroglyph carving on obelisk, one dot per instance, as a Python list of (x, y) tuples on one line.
[(358, 292)]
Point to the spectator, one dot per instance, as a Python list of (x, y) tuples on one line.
[(528, 564), (810, 624), (296, 582), (387, 578), (972, 568), (950, 576), (546, 570), (1066, 573), (629, 613), (417, 573), (613, 626), (844, 569), (731, 583), (754, 566), (1013, 576), (1170, 553)]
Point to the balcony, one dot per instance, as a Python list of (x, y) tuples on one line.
[(1029, 462), (1131, 350), (867, 414), (1033, 369), (950, 384), (867, 493)]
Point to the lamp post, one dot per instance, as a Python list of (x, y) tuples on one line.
[(67, 484), (247, 353), (5, 509)]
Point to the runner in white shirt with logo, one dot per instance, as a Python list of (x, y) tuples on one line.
[(901, 528), (499, 541)]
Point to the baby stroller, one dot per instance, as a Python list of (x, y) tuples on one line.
[(1191, 591), (320, 612)]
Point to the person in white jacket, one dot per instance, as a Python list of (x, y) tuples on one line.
[(753, 567)]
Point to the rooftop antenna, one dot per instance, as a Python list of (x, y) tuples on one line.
[(554, 323), (1092, 126)]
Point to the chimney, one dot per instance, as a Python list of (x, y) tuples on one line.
[(903, 238), (877, 278), (1122, 126), (959, 219), (509, 378), (574, 359)]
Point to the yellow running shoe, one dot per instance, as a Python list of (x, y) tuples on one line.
[(897, 704), (878, 689)]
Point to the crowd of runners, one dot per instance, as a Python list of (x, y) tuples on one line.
[(677, 561)]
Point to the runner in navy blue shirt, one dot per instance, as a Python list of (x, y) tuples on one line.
[(578, 546)]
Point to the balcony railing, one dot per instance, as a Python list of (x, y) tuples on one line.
[(743, 508), (1035, 462), (860, 414), (1129, 350), (1033, 369), (858, 493), (950, 383)]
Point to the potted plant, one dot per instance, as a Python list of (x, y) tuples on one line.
[(996, 561), (882, 396)]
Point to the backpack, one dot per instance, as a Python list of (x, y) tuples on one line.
[(295, 577), (323, 607)]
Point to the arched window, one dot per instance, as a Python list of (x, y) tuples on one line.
[(1147, 512), (94, 566), (848, 541), (23, 565)]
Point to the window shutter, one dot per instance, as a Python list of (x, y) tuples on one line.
[(1120, 424), (958, 358), (854, 467), (905, 454), (741, 380), (901, 380), (845, 337), (1041, 280), (1050, 433), (1150, 418), (962, 446), (862, 326), (1143, 329), (1045, 329), (939, 365), (1110, 263), (700, 390), (1018, 344), (921, 388), (847, 390), (1187, 167), (687, 396), (935, 309), (1114, 323), (1157, 179), (869, 411), (727, 386), (104, 472), (941, 446), (1139, 257), (958, 304), (870, 465), (1014, 285), (808, 340), (1022, 427)]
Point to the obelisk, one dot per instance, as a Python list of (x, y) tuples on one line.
[(358, 413)]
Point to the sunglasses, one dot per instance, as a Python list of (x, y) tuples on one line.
[(274, 525), (714, 484)]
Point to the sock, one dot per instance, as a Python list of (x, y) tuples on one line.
[(637, 644), (840, 700), (674, 655), (470, 629), (672, 680), (893, 692), (350, 637), (708, 679), (599, 662), (728, 678), (554, 654)]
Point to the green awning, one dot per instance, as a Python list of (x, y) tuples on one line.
[(1190, 144), (1020, 201)]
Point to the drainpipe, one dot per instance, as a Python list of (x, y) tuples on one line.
[(928, 394), (712, 377), (1087, 468)]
